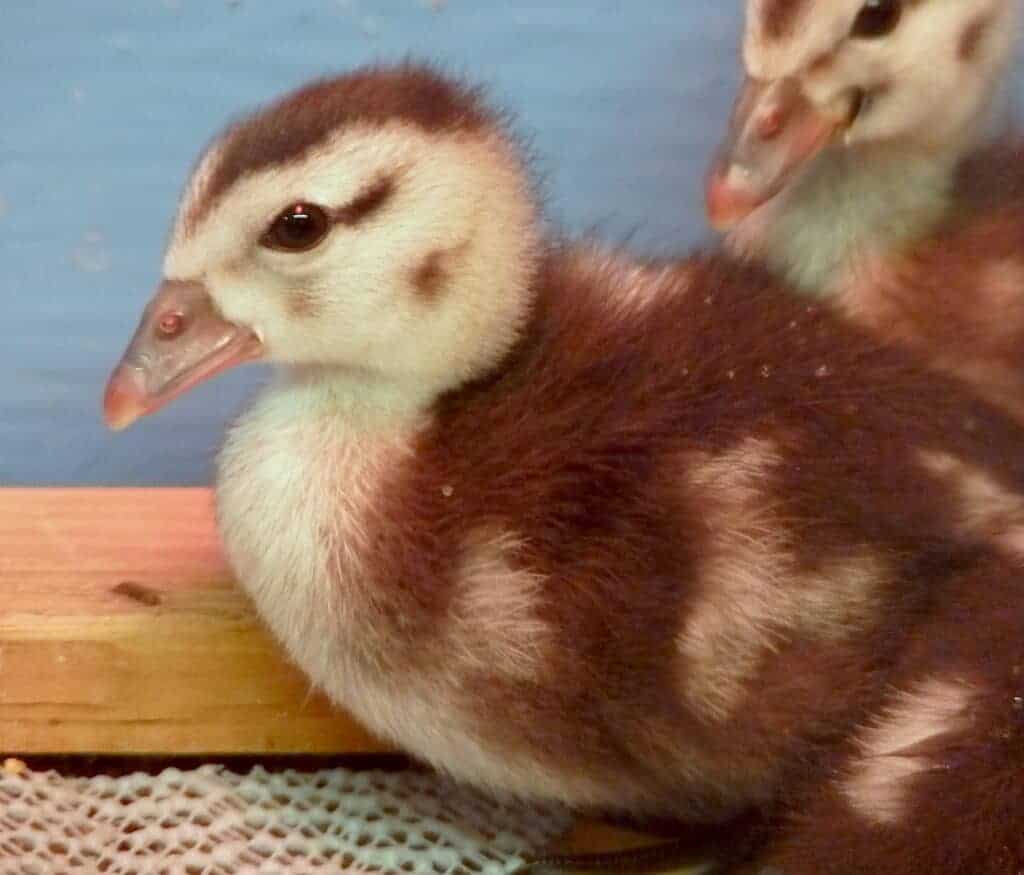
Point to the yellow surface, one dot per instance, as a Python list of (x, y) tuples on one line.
[(122, 633)]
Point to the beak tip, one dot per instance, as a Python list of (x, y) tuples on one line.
[(116, 424), (725, 205), (120, 407)]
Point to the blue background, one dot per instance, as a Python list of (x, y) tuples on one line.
[(105, 105)]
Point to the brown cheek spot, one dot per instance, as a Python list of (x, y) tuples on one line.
[(304, 304), (431, 275), (778, 17), (878, 91), (821, 63), (971, 38)]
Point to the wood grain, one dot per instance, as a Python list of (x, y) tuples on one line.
[(121, 632)]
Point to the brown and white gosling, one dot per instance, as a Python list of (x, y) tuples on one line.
[(871, 158), (653, 538), (852, 126)]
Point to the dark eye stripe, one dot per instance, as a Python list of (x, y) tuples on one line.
[(367, 203), (973, 36), (302, 226)]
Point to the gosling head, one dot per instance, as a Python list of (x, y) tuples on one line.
[(379, 223), (918, 75)]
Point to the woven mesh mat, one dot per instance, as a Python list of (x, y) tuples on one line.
[(212, 821)]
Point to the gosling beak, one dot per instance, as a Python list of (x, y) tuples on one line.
[(180, 342), (774, 132)]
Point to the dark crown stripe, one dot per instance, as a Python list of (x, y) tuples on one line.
[(288, 129)]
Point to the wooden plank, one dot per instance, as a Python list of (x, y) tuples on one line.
[(121, 632)]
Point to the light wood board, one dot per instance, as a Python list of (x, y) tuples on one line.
[(121, 632)]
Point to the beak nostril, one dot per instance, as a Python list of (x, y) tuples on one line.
[(171, 324), (769, 124)]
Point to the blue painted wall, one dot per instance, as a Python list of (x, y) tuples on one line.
[(105, 104)]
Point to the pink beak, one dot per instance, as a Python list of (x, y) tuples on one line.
[(774, 132), (180, 342)]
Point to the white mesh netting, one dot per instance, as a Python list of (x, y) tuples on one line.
[(211, 821)]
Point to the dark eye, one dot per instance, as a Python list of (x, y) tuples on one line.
[(877, 18), (297, 229)]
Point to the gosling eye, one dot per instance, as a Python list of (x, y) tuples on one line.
[(877, 18), (297, 229)]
